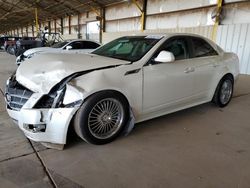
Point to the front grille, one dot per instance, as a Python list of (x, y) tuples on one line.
[(16, 95)]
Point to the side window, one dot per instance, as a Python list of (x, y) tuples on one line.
[(76, 45), (89, 45), (202, 48), (178, 46)]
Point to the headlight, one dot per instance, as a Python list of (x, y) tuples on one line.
[(72, 97), (61, 95), (52, 100)]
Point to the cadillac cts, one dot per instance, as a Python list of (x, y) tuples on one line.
[(128, 80)]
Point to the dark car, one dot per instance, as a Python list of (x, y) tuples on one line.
[(9, 45), (3, 39), (42, 40)]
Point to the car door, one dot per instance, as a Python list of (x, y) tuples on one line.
[(168, 85), (205, 62)]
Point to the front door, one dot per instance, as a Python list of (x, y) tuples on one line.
[(168, 85)]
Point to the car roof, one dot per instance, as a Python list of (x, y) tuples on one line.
[(73, 40), (167, 34)]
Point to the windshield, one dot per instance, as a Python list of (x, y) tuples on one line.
[(128, 48), (59, 44)]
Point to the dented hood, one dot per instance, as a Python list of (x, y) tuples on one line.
[(44, 71)]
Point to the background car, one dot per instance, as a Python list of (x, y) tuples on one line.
[(68, 46), (41, 40), (128, 80), (3, 39)]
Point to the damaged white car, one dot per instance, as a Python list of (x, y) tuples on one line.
[(126, 81)]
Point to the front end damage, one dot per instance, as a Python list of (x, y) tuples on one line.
[(42, 118), (46, 117)]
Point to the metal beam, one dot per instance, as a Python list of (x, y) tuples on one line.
[(62, 26), (36, 18), (69, 25), (144, 14), (217, 19), (142, 9)]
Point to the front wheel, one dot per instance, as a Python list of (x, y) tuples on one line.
[(224, 92), (102, 117)]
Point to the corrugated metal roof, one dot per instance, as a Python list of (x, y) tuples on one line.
[(17, 13)]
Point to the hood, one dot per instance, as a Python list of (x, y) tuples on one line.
[(42, 72), (40, 49)]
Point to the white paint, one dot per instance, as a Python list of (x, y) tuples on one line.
[(44, 72)]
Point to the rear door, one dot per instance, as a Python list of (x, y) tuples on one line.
[(205, 62)]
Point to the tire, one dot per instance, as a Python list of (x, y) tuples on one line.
[(224, 91), (11, 50), (102, 117)]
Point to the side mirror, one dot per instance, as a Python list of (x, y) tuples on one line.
[(68, 47), (165, 57)]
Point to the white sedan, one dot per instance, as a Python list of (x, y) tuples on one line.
[(128, 80), (68, 46)]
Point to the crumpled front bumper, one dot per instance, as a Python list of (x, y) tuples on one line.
[(55, 120)]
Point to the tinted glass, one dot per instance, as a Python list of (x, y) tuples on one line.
[(59, 44), (128, 48), (76, 45), (178, 46), (90, 45), (202, 48)]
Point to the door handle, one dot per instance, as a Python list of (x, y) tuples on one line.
[(189, 69)]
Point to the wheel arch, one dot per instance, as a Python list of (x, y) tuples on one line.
[(132, 112), (228, 74), (118, 92), (129, 123)]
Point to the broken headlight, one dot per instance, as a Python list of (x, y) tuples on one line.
[(52, 100), (61, 95)]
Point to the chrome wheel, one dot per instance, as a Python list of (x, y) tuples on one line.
[(105, 118), (226, 91)]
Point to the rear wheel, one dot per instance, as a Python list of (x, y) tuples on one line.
[(224, 91), (102, 117)]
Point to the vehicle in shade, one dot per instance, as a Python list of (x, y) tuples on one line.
[(68, 46), (128, 80)]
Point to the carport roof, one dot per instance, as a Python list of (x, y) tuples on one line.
[(17, 13)]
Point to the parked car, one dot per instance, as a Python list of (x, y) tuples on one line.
[(128, 80), (43, 39), (68, 46), (10, 44), (3, 39)]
